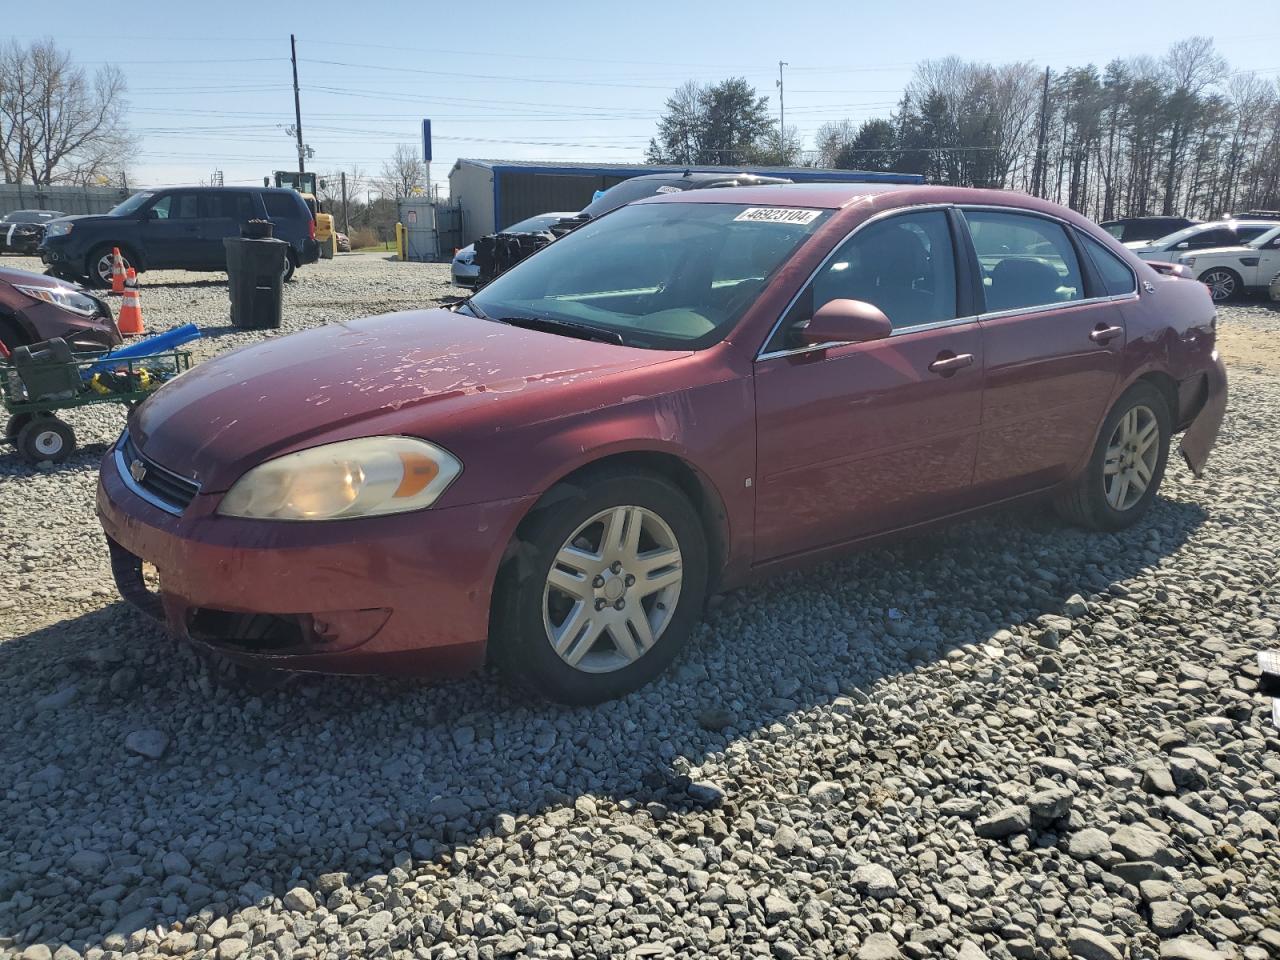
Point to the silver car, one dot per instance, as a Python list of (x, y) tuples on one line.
[(465, 271), (1202, 236)]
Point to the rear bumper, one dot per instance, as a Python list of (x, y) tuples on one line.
[(310, 251), (1200, 437), (389, 595)]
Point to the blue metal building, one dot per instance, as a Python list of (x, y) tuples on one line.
[(497, 193)]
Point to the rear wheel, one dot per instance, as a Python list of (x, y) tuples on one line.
[(1223, 283), (289, 267), (1124, 472), (606, 590)]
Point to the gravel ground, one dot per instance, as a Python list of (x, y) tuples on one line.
[(1012, 740)]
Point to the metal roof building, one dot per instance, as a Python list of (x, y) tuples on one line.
[(497, 193)]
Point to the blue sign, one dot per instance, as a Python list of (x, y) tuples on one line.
[(426, 140)]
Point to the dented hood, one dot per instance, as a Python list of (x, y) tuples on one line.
[(396, 373)]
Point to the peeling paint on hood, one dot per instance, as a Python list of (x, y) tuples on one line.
[(236, 410)]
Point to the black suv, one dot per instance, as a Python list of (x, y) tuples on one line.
[(180, 228)]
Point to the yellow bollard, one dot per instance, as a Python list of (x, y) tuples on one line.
[(402, 242)]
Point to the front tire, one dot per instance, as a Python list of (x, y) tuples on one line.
[(97, 266), (606, 586), (1124, 472), (1223, 283)]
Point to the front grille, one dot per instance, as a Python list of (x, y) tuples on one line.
[(172, 491)]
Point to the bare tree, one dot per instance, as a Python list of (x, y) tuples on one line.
[(404, 175), (57, 124)]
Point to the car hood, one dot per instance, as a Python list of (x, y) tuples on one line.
[(395, 373), (468, 251), (1220, 251), (29, 279)]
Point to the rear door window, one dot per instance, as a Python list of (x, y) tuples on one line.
[(1026, 261), (1117, 278), (231, 205), (1245, 234)]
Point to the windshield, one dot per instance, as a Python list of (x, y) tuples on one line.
[(628, 190), (1178, 235), (31, 216), (131, 205), (534, 224), (661, 275)]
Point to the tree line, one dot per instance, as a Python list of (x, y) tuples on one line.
[(1177, 134)]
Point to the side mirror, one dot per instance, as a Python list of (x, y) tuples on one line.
[(844, 321), (1184, 245), (149, 214)]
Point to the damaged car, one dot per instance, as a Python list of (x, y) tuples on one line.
[(692, 391)]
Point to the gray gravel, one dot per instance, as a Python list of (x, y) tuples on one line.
[(1014, 739)]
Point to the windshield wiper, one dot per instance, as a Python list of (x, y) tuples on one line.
[(583, 331)]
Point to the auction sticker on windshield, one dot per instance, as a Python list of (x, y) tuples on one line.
[(778, 215)]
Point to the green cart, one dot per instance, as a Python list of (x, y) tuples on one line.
[(33, 391)]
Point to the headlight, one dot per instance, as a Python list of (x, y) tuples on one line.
[(1187, 261), (338, 481), (56, 229), (65, 297)]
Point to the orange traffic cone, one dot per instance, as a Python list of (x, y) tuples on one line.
[(117, 272), (130, 322)]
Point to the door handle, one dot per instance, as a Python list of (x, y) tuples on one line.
[(1105, 334), (949, 363)]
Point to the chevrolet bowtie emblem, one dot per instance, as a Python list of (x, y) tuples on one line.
[(137, 470)]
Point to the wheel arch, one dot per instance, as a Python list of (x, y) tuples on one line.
[(691, 481), (1168, 388), (12, 330), (128, 249)]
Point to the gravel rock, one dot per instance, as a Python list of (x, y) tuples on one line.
[(1004, 822), (1087, 944), (1089, 844), (147, 743), (1185, 948), (299, 900), (879, 946), (878, 882), (1168, 919)]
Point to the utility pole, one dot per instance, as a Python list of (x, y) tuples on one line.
[(782, 114), (1038, 170), (297, 103), (346, 221)]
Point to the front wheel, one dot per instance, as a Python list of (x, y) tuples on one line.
[(606, 589), (1223, 283), (1124, 472), (99, 263)]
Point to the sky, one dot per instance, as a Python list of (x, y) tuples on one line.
[(210, 86)]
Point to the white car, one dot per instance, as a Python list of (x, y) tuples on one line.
[(465, 271), (1227, 271), (1220, 233)]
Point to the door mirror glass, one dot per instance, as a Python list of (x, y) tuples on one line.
[(844, 321), (1182, 246)]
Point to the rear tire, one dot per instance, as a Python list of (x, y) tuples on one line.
[(290, 266), (609, 620), (1124, 471), (1223, 283)]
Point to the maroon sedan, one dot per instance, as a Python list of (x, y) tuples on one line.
[(34, 307), (690, 391)]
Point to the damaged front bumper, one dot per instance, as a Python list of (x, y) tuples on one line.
[(1200, 437)]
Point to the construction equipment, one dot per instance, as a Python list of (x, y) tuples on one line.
[(309, 186)]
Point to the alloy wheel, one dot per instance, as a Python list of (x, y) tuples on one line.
[(104, 265), (1221, 284), (612, 589), (1132, 453)]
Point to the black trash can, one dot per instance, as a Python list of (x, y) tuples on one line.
[(255, 280)]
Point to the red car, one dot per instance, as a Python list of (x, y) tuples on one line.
[(690, 391), (34, 307)]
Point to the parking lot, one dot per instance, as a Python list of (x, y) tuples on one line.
[(1013, 739)]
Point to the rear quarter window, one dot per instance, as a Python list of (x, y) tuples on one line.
[(281, 206), (1117, 278)]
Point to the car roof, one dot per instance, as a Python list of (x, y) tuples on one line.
[(836, 196)]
